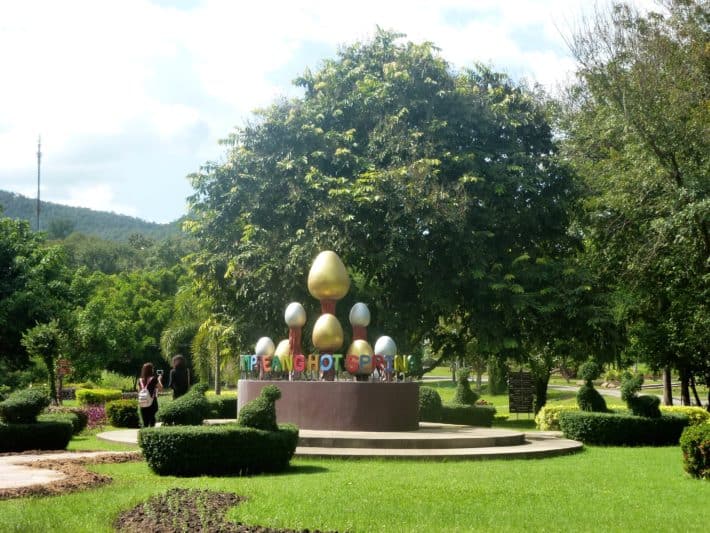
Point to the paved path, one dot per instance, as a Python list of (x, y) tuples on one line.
[(15, 471)]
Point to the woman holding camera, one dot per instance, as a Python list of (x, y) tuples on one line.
[(148, 387)]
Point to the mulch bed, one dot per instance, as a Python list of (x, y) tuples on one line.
[(78, 477), (189, 510)]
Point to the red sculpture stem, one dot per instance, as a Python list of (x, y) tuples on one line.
[(327, 306), (360, 333), (294, 340)]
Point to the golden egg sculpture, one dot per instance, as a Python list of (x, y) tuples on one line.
[(358, 348), (328, 279), (327, 333), (283, 349)]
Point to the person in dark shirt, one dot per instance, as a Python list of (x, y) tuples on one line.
[(179, 377)]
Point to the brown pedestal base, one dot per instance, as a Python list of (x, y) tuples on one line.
[(341, 405)]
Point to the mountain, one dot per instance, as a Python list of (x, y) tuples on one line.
[(60, 220)]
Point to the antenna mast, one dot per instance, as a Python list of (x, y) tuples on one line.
[(39, 161)]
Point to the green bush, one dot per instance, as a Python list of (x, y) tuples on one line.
[(695, 445), (548, 418), (188, 410), (260, 413), (225, 450), (37, 436), (222, 407), (62, 417), (23, 406), (429, 405), (464, 395), (648, 406), (696, 415), (621, 429), (81, 416), (468, 415), (97, 396), (589, 399), (123, 413)]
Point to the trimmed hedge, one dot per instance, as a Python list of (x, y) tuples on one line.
[(696, 415), (228, 449), (222, 407), (188, 410), (123, 413), (82, 417), (23, 406), (53, 435), (621, 429), (260, 413), (548, 418), (62, 417), (695, 444), (429, 405), (97, 396), (464, 394), (468, 415)]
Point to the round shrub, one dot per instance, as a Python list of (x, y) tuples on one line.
[(97, 396), (53, 435), (548, 418), (188, 410), (224, 450), (464, 395), (81, 416), (589, 371), (61, 417), (695, 445), (429, 405), (622, 430), (23, 406), (123, 413)]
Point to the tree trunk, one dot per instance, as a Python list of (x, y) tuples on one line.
[(479, 379), (695, 391), (217, 379), (667, 388), (49, 362), (540, 384), (684, 386)]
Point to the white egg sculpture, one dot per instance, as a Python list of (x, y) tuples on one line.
[(385, 346), (295, 315), (265, 347), (360, 315)]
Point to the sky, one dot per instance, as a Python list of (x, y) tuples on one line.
[(131, 96)]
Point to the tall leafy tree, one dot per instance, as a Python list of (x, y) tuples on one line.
[(428, 182), (637, 131), (48, 342)]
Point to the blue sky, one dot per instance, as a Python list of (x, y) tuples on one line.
[(130, 96)]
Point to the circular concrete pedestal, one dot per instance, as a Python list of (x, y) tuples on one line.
[(341, 405)]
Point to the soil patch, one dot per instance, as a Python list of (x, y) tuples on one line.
[(189, 510), (78, 477)]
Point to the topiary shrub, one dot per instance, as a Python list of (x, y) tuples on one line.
[(222, 407), (61, 417), (123, 413), (648, 406), (97, 396), (548, 418), (54, 435), (696, 415), (81, 416), (188, 410), (464, 395), (23, 406), (429, 405), (468, 415), (588, 398), (224, 450), (695, 445), (260, 413), (622, 430)]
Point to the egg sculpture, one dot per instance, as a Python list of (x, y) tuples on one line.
[(295, 315), (283, 349), (328, 279), (264, 347), (360, 351), (385, 346), (327, 333), (360, 315)]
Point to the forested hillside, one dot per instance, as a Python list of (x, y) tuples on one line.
[(61, 220)]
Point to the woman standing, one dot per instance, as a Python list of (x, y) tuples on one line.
[(179, 377), (152, 384)]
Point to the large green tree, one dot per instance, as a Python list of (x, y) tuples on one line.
[(429, 182), (637, 130)]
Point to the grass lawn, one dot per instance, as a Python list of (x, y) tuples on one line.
[(600, 489)]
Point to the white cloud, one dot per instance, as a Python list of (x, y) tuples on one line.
[(82, 72), (100, 196)]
